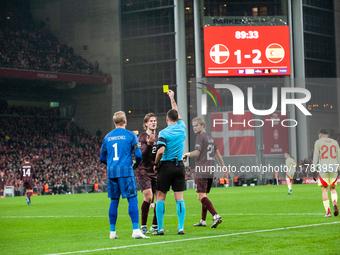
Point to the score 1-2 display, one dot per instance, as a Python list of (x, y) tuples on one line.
[(246, 50)]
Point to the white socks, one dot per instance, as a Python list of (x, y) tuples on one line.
[(334, 197)]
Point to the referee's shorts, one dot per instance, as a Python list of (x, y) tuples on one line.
[(171, 175)]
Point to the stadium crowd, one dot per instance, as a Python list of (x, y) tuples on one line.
[(29, 111), (39, 49), (303, 169), (62, 153)]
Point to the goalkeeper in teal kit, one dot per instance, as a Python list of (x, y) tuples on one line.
[(116, 153)]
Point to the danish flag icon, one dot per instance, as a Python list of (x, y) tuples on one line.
[(219, 53)]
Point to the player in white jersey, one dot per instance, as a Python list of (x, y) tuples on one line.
[(326, 160), (291, 166)]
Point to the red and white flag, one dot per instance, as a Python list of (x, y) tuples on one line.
[(275, 53), (219, 53), (236, 137)]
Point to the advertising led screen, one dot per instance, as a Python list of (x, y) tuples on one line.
[(246, 50)]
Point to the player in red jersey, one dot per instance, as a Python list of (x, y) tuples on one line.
[(205, 152), (26, 176), (145, 175), (2, 184)]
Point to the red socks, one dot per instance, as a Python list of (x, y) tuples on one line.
[(29, 194), (207, 205), (145, 212), (154, 220)]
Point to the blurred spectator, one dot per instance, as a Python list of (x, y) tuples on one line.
[(188, 174), (241, 179), (99, 133)]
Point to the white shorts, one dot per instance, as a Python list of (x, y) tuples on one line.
[(289, 176), (328, 179)]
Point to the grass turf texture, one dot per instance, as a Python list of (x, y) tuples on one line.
[(68, 223)]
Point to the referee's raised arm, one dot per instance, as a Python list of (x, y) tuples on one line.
[(174, 106)]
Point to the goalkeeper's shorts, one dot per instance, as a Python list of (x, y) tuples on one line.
[(125, 186)]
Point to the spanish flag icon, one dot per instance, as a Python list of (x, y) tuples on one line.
[(275, 53)]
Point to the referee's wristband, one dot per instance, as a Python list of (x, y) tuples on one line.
[(157, 164)]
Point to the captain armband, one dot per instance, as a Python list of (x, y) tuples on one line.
[(163, 142), (136, 146)]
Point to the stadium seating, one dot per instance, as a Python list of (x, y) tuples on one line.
[(38, 49), (62, 153)]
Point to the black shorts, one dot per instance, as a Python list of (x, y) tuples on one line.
[(171, 175)]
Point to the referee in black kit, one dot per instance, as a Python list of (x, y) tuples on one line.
[(170, 167)]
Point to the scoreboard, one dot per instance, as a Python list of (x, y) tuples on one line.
[(246, 50)]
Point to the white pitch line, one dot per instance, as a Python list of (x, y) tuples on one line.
[(189, 215), (198, 238)]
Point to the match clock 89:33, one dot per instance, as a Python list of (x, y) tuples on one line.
[(247, 35), (246, 51)]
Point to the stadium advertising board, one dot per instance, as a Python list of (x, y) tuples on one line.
[(65, 139), (50, 76), (309, 180), (275, 136), (246, 50)]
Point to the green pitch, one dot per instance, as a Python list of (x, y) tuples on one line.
[(70, 223)]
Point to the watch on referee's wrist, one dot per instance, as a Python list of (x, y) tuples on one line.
[(157, 164)]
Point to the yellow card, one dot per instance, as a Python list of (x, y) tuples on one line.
[(165, 88)]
